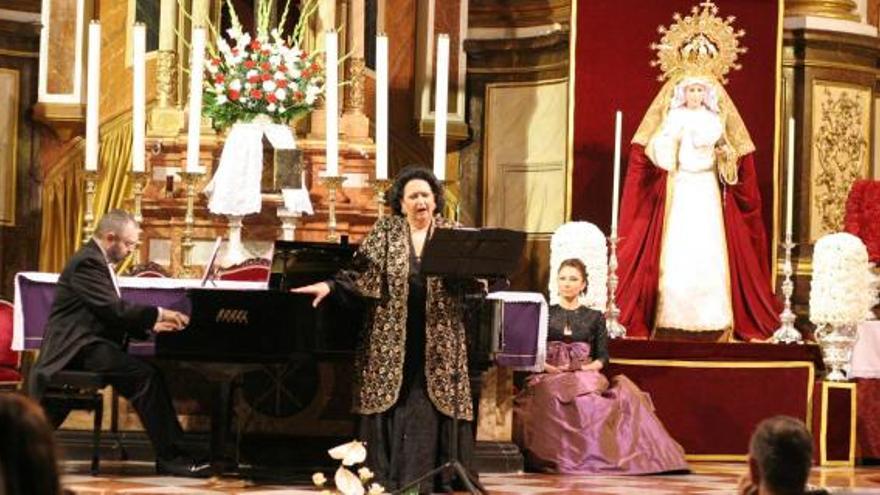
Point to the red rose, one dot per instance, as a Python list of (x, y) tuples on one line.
[(297, 95), (254, 79), (250, 64), (306, 74), (266, 76), (219, 78), (256, 94), (282, 68), (265, 66), (271, 98), (281, 83), (233, 95), (255, 45), (235, 51)]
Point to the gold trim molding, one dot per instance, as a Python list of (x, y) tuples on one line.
[(834, 9)]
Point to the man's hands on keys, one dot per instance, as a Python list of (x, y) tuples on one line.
[(319, 290), (170, 321)]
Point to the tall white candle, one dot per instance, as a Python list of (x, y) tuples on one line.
[(615, 191), (381, 107), (331, 102), (441, 77), (789, 183), (195, 100), (138, 115), (93, 91)]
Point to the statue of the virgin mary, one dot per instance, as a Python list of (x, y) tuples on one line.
[(693, 251)]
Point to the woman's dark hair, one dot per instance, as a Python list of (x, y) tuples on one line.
[(577, 265), (415, 172), (28, 460)]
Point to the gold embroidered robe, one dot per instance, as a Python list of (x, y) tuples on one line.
[(379, 275)]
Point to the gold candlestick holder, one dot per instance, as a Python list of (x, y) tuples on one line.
[(186, 244), (379, 187), (616, 330), (332, 183), (137, 187), (91, 177), (787, 333)]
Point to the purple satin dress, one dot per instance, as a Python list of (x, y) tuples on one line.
[(575, 422)]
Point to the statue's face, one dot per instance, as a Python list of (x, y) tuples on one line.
[(694, 95)]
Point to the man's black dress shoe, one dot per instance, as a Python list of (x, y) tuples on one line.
[(184, 466)]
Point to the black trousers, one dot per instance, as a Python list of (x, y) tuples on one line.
[(139, 382)]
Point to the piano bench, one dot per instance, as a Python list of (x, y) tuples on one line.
[(84, 391)]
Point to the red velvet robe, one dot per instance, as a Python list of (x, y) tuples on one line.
[(755, 308)]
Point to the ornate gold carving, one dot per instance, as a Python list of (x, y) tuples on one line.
[(835, 9), (840, 147), (699, 44), (356, 88), (166, 78)]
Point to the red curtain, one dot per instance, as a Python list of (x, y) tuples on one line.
[(613, 72)]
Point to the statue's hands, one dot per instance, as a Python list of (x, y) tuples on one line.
[(319, 290)]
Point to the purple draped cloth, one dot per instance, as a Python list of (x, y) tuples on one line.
[(575, 422)]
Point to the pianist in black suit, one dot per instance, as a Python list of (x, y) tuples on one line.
[(414, 341), (88, 325)]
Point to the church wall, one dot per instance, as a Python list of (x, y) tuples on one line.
[(19, 147)]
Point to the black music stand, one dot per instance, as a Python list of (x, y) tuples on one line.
[(466, 253)]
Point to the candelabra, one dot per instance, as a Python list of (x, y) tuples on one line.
[(187, 243), (787, 333), (137, 187), (379, 187), (91, 177), (616, 330), (332, 183)]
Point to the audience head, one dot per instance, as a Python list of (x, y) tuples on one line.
[(416, 194), (28, 463), (571, 278), (780, 456), (118, 235)]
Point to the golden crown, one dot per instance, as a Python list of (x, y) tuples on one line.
[(699, 44)]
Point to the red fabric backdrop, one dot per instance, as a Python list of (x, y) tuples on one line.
[(613, 71)]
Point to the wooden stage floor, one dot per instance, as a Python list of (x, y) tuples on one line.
[(707, 478)]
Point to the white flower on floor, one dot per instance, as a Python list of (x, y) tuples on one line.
[(350, 453), (347, 482), (319, 479), (376, 489)]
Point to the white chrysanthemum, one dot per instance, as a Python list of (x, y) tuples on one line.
[(281, 94), (279, 76), (584, 241), (271, 107), (275, 60), (219, 88), (213, 68), (221, 99), (235, 84), (281, 108), (269, 85), (840, 291), (251, 73)]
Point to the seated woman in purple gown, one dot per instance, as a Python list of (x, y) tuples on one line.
[(569, 419)]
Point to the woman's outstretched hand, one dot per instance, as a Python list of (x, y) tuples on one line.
[(319, 290)]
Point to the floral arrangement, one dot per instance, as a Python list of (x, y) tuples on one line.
[(266, 75), (345, 480), (843, 288), (862, 212)]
